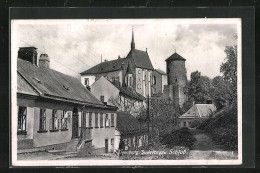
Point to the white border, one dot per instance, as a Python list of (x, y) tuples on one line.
[(16, 162)]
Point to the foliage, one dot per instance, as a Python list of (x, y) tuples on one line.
[(196, 122), (229, 70), (220, 92), (181, 137), (199, 88), (223, 127)]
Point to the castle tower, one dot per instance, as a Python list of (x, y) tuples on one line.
[(177, 77)]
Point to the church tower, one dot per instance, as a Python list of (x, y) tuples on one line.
[(133, 41), (177, 77)]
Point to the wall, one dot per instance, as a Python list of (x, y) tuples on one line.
[(91, 79), (111, 74), (157, 83), (99, 133), (102, 87), (145, 84), (177, 76), (48, 137)]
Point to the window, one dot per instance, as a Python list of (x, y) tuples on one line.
[(130, 81), (112, 120), (102, 98), (101, 120), (42, 120), (22, 119), (87, 81), (117, 78), (64, 120), (154, 80), (54, 120), (113, 79), (112, 141), (107, 121), (96, 120), (90, 119), (83, 119), (139, 71)]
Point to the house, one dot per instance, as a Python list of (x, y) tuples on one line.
[(55, 111), (197, 111), (124, 98), (159, 80), (131, 132), (133, 71)]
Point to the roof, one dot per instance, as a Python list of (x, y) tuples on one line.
[(129, 92), (53, 84), (106, 66), (23, 87), (160, 71), (127, 123), (199, 110), (141, 59), (176, 56)]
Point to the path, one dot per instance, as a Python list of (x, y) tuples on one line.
[(205, 148)]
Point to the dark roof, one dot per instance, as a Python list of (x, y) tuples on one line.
[(106, 66), (141, 59), (53, 84), (127, 123), (23, 87), (176, 56), (160, 71), (130, 92)]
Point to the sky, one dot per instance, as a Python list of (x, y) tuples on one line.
[(77, 45)]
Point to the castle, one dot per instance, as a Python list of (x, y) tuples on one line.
[(136, 72)]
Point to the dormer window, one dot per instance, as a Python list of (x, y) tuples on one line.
[(87, 81), (66, 88), (35, 78)]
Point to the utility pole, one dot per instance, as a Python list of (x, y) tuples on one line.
[(148, 118)]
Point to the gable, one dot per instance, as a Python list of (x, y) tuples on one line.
[(141, 59)]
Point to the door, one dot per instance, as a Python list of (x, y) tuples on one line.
[(75, 125), (106, 145)]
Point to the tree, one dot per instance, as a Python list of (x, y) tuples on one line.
[(199, 88), (220, 92), (229, 71)]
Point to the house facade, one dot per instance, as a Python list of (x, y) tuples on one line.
[(54, 110), (134, 71), (125, 99), (159, 80), (197, 111)]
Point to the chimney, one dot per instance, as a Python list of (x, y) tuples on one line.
[(44, 61), (28, 54)]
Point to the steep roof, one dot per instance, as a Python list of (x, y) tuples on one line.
[(53, 84), (141, 59), (130, 93), (23, 87), (126, 123), (160, 71), (106, 66), (175, 56), (199, 110)]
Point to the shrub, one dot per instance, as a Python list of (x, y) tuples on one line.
[(197, 123), (181, 137), (223, 128)]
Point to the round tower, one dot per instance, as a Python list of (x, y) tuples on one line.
[(177, 76), (44, 61)]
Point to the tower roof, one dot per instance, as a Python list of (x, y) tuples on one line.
[(133, 40), (175, 57)]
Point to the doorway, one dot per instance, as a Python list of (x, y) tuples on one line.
[(106, 145), (75, 123)]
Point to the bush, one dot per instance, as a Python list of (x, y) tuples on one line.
[(181, 137), (197, 123), (223, 128)]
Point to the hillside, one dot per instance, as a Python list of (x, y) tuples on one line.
[(223, 128)]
